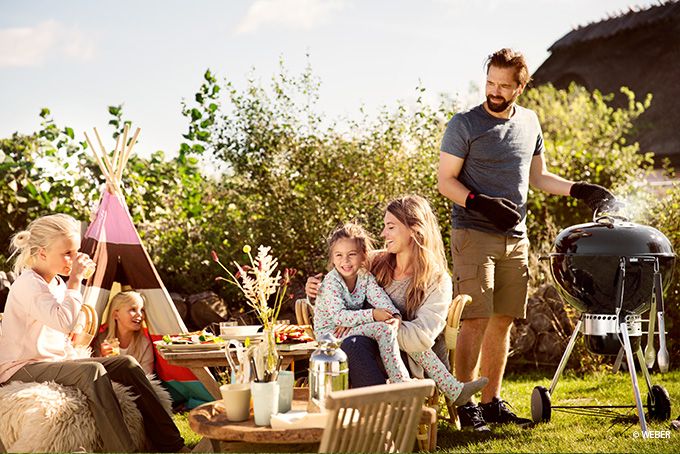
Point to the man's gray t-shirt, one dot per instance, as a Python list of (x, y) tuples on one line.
[(497, 155)]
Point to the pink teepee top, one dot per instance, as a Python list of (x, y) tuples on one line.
[(113, 223)]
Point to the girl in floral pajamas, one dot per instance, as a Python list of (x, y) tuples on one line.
[(340, 303)]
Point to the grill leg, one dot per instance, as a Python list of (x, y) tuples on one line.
[(565, 356), (619, 360), (633, 375)]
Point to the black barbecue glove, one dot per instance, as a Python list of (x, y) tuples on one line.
[(594, 195), (500, 211)]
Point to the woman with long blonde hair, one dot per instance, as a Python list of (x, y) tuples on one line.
[(412, 269), (420, 257)]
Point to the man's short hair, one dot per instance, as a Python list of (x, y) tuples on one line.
[(508, 58)]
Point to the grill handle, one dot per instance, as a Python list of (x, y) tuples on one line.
[(663, 351), (650, 352)]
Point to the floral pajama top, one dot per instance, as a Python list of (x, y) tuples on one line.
[(337, 306)]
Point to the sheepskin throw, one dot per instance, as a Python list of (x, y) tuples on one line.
[(48, 417)]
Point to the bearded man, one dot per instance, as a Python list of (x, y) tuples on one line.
[(489, 156)]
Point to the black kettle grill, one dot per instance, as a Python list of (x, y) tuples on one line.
[(613, 271)]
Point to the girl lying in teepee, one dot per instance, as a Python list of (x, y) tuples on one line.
[(124, 331)]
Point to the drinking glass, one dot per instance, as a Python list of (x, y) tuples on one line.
[(89, 270), (114, 343), (224, 327)]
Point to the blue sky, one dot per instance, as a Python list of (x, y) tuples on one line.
[(79, 56)]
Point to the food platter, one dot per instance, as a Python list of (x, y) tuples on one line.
[(195, 341), (212, 346)]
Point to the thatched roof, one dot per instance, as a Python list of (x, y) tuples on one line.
[(621, 23), (639, 49)]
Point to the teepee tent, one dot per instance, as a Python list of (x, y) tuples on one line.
[(112, 241), (114, 244)]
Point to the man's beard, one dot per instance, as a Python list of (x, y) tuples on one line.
[(498, 107)]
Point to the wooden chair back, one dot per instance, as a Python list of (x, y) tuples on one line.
[(453, 325), (382, 418), (304, 312), (451, 337)]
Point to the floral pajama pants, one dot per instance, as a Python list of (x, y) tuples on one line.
[(386, 337)]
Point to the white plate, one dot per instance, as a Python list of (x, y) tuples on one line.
[(289, 347), (232, 332), (253, 338), (190, 347)]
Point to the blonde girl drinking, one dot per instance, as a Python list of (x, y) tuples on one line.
[(42, 310), (339, 309)]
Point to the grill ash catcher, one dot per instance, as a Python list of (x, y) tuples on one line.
[(613, 271)]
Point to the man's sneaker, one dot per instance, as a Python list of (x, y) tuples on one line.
[(497, 412), (470, 415)]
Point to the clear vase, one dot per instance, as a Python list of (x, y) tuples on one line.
[(270, 354)]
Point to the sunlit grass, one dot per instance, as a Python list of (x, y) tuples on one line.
[(568, 432), (191, 438)]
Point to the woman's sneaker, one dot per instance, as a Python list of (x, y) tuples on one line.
[(470, 416), (497, 412)]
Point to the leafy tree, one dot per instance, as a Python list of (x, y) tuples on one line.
[(293, 175), (662, 214), (42, 173)]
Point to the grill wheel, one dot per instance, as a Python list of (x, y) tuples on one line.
[(659, 404)]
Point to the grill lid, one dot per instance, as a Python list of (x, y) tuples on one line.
[(597, 263), (612, 237)]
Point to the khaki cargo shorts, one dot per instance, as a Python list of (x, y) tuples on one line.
[(493, 269)]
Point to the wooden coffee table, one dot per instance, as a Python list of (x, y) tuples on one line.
[(210, 421)]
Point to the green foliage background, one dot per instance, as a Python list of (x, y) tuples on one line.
[(261, 165)]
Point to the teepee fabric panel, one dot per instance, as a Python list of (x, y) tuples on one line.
[(98, 298), (158, 318), (113, 223)]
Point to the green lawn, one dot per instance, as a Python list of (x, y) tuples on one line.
[(182, 422), (566, 432)]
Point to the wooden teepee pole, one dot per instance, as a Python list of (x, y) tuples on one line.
[(101, 165), (116, 154), (113, 172), (127, 153), (116, 166), (106, 158)]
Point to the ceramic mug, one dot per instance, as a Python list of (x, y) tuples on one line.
[(236, 401)]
